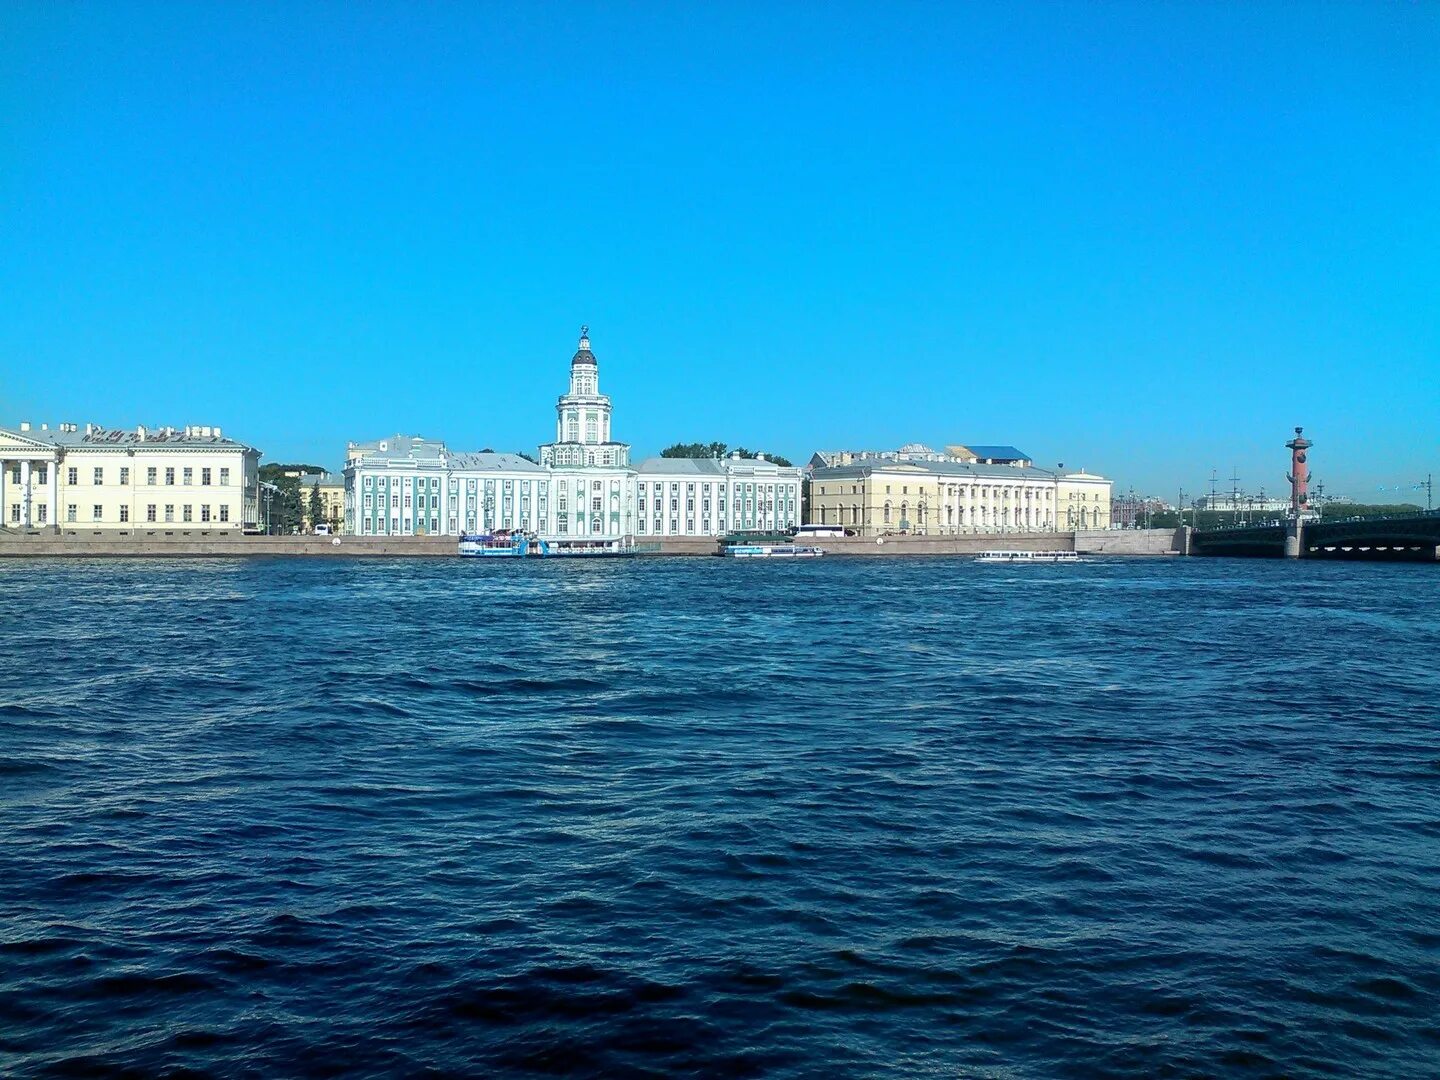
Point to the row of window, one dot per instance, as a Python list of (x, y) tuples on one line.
[(40, 476), (152, 513)]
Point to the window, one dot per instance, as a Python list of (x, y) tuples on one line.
[(188, 512), (96, 512), (690, 505), (170, 477), (169, 511), (595, 504), (188, 476), (225, 513), (72, 477), (150, 477), (150, 512), (44, 514), (205, 512), (124, 513), (99, 477), (205, 477), (124, 476), (15, 511), (70, 512)]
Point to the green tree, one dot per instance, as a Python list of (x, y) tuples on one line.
[(718, 450), (527, 457), (316, 507)]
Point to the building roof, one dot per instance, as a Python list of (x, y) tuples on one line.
[(869, 466), (485, 461), (679, 466), (997, 453), (97, 437)]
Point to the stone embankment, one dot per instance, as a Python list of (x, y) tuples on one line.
[(943, 545), (201, 543), (1133, 542)]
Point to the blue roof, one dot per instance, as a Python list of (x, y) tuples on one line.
[(997, 453)]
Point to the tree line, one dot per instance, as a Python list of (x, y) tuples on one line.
[(719, 450)]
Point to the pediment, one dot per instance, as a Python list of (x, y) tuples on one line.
[(14, 440)]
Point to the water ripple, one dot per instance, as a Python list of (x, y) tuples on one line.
[(687, 817)]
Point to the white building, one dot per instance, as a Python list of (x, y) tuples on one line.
[(583, 489), (65, 478)]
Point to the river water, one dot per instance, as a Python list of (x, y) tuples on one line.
[(674, 817)]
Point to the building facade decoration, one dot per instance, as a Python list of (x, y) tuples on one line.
[(583, 489), (875, 496), (65, 477)]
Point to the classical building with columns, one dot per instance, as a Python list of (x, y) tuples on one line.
[(874, 495), (66, 478), (582, 490)]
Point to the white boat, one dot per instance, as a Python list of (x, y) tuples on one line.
[(772, 551), (1028, 557)]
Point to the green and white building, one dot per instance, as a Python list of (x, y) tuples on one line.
[(583, 489)]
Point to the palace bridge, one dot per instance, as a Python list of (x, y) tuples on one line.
[(1409, 537)]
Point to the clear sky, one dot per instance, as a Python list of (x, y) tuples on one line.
[(1145, 239)]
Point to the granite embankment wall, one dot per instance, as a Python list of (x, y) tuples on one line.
[(943, 545), (180, 543), (199, 543), (1132, 542)]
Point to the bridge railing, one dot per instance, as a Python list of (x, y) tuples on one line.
[(1418, 515)]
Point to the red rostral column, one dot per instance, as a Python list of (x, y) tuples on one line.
[(1299, 473)]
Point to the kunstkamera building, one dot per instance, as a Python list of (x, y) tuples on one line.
[(583, 490)]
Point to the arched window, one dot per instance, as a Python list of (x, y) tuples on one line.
[(887, 513)]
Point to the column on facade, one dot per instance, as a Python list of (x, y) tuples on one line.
[(25, 492), (4, 479), (52, 516)]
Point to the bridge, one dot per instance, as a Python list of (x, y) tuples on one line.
[(1408, 537)]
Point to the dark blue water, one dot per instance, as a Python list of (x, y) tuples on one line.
[(697, 817)]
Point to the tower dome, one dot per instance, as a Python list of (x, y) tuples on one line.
[(583, 355)]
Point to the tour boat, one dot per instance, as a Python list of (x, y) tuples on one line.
[(772, 551), (501, 544), (1028, 556)]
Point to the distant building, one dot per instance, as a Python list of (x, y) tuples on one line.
[(878, 495), (1232, 502), (66, 477), (332, 498), (955, 453), (584, 488)]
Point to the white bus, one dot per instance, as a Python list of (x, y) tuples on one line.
[(810, 532)]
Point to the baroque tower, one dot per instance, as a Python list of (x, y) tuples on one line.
[(582, 419)]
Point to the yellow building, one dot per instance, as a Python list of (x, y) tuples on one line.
[(68, 478), (332, 499), (874, 496)]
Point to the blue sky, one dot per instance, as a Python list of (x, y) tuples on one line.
[(1147, 239)]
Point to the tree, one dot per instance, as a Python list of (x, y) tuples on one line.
[(527, 457), (287, 505), (317, 507), (718, 450)]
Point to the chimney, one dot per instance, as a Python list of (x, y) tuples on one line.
[(24, 425), (140, 432), (217, 433), (44, 427), (759, 457)]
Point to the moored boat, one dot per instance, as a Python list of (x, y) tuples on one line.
[(1014, 556), (501, 544), (772, 551)]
